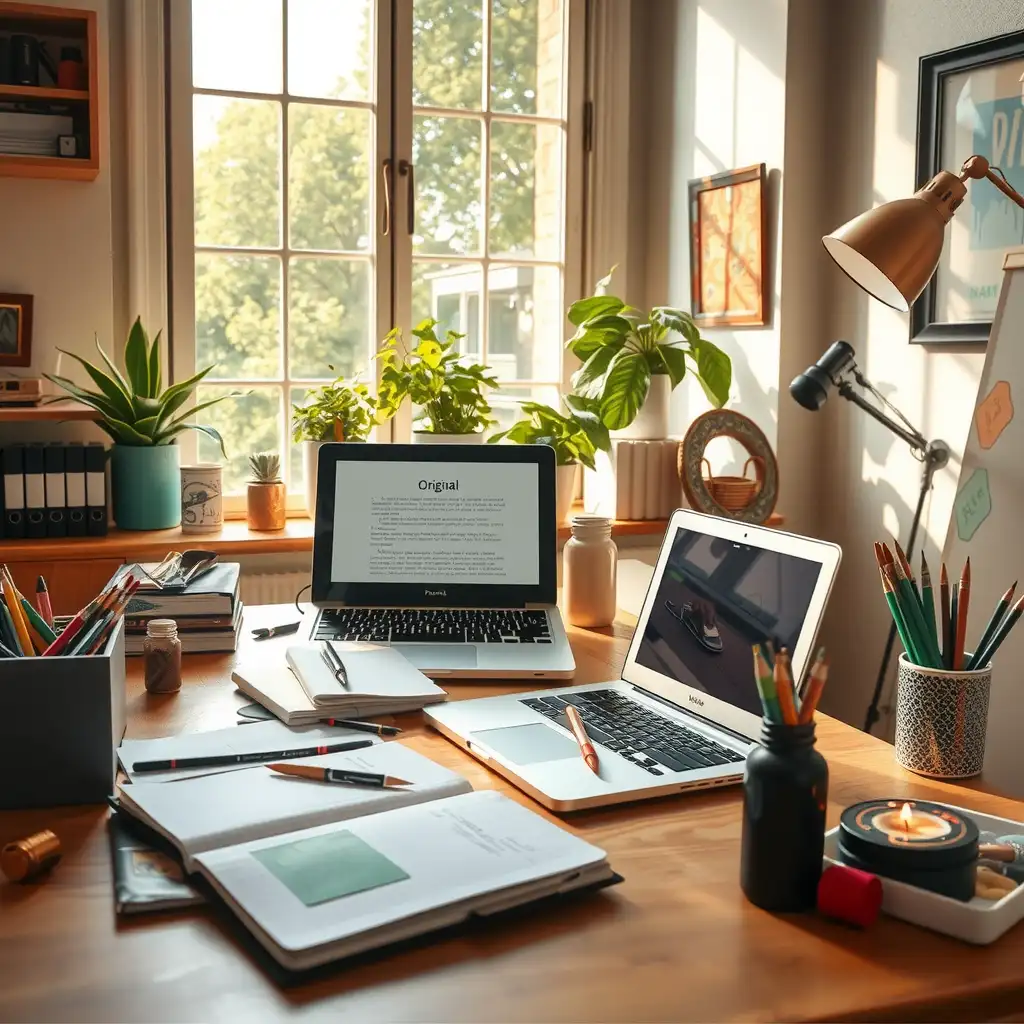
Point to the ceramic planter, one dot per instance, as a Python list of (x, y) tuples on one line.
[(265, 506), (145, 486), (651, 423), (425, 437), (565, 489)]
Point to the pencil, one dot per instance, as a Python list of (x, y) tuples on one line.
[(993, 624), (944, 603), (9, 632), (784, 689), (344, 775), (819, 676), (43, 601), (914, 617), (963, 598), (949, 660), (38, 623), (928, 599), (765, 680), (982, 658), (17, 617), (889, 590), (219, 760), (579, 730)]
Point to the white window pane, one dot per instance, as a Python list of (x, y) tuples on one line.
[(329, 177), (451, 294), (236, 44), (446, 155), (237, 146), (525, 322), (505, 404), (253, 423), (238, 316), (329, 48), (526, 212), (447, 53), (527, 56)]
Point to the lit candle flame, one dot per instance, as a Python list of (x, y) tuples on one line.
[(906, 816)]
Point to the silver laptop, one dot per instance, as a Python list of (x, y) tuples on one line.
[(445, 552), (686, 710)]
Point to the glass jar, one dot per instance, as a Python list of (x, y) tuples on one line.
[(162, 651), (785, 793), (589, 561)]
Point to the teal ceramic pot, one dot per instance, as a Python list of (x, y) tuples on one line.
[(145, 486)]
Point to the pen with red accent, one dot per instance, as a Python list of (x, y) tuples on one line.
[(219, 760), (580, 732)]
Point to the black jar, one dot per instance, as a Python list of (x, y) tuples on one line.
[(785, 793)]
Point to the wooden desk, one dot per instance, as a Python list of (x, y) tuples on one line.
[(675, 941)]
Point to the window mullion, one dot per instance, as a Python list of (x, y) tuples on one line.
[(286, 448), (485, 165)]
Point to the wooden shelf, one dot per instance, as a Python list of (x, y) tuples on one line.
[(56, 413), (42, 92), (13, 165)]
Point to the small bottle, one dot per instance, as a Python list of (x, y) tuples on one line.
[(785, 793), (162, 650), (26, 858), (589, 561)]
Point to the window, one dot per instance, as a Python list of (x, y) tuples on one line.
[(338, 166)]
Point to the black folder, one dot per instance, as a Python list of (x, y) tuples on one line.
[(14, 490), (56, 492), (35, 490), (74, 477), (96, 489)]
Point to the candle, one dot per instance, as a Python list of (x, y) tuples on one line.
[(908, 824)]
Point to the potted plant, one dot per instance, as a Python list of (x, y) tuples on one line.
[(144, 420), (449, 394), (340, 411), (575, 438), (265, 495), (632, 361)]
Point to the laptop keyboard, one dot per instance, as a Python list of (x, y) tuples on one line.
[(435, 625), (638, 734)]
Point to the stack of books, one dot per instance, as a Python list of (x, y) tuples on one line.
[(208, 611)]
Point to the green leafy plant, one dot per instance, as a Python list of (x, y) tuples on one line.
[(133, 409), (621, 348), (339, 411), (449, 393), (266, 467), (575, 437)]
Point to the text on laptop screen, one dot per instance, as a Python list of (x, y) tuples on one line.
[(436, 522), (717, 598)]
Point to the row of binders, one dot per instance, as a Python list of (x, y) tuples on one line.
[(53, 490)]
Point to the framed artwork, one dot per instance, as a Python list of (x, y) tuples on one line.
[(728, 265), (971, 100), (15, 330)]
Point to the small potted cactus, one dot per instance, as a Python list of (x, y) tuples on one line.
[(266, 495)]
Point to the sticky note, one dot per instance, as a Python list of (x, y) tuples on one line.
[(973, 504), (994, 414)]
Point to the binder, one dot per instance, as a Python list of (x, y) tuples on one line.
[(74, 477), (96, 489), (56, 494), (35, 491), (14, 490)]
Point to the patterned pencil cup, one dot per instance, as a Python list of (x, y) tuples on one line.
[(941, 720)]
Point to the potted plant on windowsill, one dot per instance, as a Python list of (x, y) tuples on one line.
[(266, 494), (144, 420), (340, 411), (632, 361), (449, 394), (574, 437)]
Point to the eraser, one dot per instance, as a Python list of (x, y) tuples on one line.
[(850, 895)]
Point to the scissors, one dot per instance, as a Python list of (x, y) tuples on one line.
[(266, 632)]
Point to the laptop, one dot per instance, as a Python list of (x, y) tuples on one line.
[(445, 552), (686, 710)]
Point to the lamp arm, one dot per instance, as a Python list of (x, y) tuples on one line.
[(914, 439), (978, 167)]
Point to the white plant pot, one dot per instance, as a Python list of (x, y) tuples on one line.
[(651, 423), (425, 437), (309, 454), (565, 489)]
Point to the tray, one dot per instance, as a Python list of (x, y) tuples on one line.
[(978, 921)]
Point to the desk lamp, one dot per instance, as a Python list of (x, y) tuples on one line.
[(892, 252)]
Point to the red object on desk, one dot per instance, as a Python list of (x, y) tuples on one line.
[(850, 895)]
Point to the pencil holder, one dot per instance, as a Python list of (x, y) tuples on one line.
[(941, 720)]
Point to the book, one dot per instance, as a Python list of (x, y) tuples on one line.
[(194, 641), (213, 593)]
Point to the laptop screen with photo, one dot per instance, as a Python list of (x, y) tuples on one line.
[(716, 599)]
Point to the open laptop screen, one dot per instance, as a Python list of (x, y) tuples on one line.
[(716, 599)]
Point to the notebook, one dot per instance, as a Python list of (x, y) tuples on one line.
[(213, 593), (300, 688)]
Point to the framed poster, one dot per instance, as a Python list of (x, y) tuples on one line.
[(971, 100), (15, 330), (728, 229)]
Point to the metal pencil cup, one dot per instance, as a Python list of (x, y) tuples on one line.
[(941, 720)]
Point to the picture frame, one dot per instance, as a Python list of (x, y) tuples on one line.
[(15, 330), (970, 100), (728, 248)]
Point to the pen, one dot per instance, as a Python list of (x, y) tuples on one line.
[(348, 723), (218, 760), (578, 730), (333, 661), (309, 771)]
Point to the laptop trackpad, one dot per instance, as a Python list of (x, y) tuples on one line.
[(528, 744), (438, 655)]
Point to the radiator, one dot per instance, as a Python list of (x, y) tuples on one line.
[(272, 587)]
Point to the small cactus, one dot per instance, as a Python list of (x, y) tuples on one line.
[(266, 467)]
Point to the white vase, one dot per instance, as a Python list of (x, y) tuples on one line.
[(651, 423), (202, 498), (309, 457), (565, 491), (425, 437)]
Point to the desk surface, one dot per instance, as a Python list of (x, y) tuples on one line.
[(675, 941)]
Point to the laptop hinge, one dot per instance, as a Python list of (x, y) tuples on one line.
[(693, 714)]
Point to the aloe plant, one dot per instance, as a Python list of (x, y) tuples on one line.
[(266, 467), (135, 410)]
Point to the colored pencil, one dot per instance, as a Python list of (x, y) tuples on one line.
[(982, 658), (928, 599), (813, 690), (950, 658), (896, 610), (963, 598), (72, 629), (219, 760), (87, 636), (905, 565), (784, 689), (579, 730), (309, 771), (765, 681), (43, 601), (6, 652), (10, 592), (914, 617), (10, 634), (944, 604), (116, 612), (993, 624), (38, 623)]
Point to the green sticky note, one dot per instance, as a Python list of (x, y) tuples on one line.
[(327, 867), (973, 504)]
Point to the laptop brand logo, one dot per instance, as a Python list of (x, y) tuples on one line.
[(696, 700), (435, 593)]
